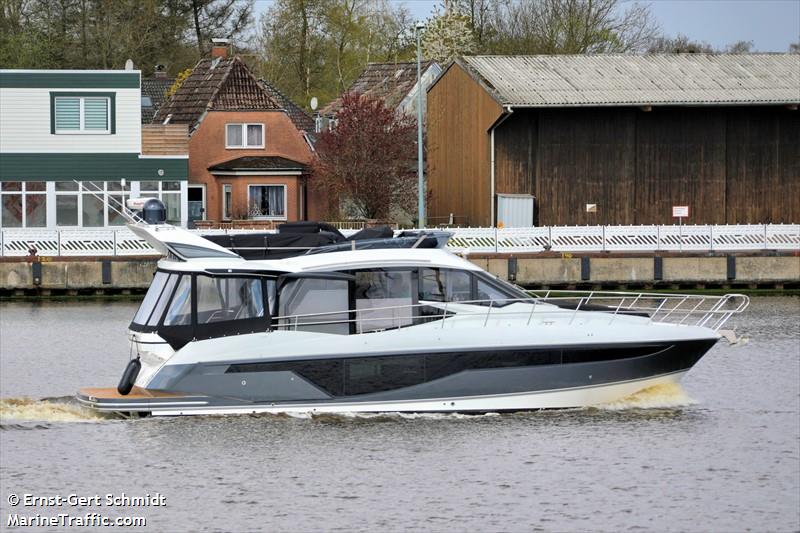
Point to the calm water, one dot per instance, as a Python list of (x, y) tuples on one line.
[(725, 456)]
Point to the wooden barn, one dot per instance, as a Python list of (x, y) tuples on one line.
[(538, 140)]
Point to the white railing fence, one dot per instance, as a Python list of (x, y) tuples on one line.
[(628, 238), (122, 242)]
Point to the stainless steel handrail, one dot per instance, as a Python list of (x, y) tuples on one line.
[(661, 303)]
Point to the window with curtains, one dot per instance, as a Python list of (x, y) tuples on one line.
[(23, 204), (82, 114), (267, 201), (244, 136)]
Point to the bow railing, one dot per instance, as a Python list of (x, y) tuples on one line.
[(708, 311)]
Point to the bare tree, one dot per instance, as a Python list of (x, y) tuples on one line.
[(569, 27), (681, 44), (219, 18), (739, 47)]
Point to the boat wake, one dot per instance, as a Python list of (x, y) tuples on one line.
[(661, 396), (29, 413), (20, 413)]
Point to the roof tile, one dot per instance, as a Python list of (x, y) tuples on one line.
[(219, 84), (390, 82)]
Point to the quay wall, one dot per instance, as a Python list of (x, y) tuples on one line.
[(552, 270), (99, 275)]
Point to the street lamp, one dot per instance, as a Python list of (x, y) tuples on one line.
[(420, 171)]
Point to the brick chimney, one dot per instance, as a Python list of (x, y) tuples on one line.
[(219, 47)]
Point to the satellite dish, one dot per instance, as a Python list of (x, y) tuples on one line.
[(129, 64), (314, 103)]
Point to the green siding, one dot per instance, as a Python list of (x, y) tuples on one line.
[(57, 167), (69, 80)]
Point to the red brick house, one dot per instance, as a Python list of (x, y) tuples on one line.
[(248, 159)]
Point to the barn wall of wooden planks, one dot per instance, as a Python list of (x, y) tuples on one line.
[(731, 165)]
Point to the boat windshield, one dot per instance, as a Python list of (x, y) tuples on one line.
[(151, 298)]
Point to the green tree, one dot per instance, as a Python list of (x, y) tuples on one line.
[(21, 43), (318, 47), (103, 34)]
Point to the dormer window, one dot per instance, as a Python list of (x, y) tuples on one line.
[(244, 136)]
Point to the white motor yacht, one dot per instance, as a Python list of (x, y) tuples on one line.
[(386, 324)]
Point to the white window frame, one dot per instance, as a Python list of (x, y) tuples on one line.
[(227, 188), (81, 130), (202, 187), (161, 191), (79, 204), (244, 145), (24, 192), (285, 201), (85, 190)]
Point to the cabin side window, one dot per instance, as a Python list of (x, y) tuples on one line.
[(384, 299), (225, 299), (311, 304), (488, 294), (442, 285)]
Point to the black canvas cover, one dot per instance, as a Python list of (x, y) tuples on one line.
[(272, 245), (380, 232), (310, 227)]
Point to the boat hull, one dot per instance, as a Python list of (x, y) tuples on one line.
[(177, 405), (215, 389)]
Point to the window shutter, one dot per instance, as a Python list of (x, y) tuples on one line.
[(68, 114), (95, 114)]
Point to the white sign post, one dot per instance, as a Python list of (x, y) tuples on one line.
[(680, 211)]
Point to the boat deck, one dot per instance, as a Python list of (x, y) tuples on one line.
[(137, 393)]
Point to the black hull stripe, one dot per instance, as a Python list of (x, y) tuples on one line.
[(435, 375)]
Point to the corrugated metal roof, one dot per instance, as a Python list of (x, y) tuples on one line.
[(675, 79)]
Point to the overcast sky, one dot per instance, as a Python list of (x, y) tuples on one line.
[(770, 24)]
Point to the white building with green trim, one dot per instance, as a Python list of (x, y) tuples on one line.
[(71, 147)]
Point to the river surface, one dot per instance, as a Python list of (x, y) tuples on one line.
[(722, 453)]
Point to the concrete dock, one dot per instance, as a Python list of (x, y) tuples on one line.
[(50, 276)]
